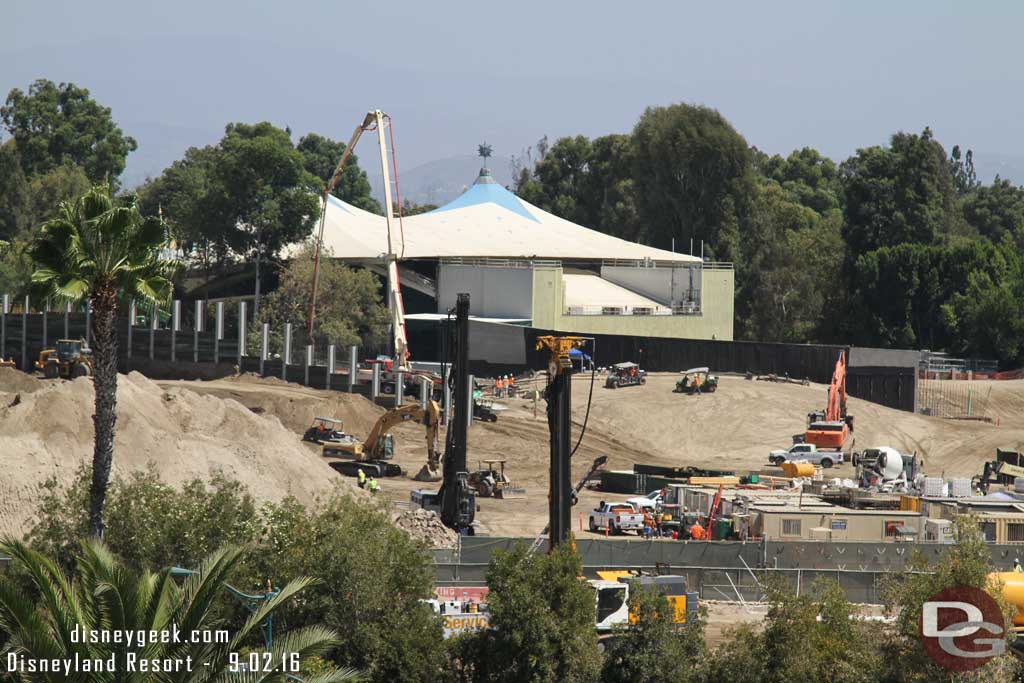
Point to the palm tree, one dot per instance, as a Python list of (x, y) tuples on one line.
[(106, 598), (97, 249)]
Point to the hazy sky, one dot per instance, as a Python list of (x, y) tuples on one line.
[(835, 76)]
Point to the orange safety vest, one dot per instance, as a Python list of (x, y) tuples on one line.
[(499, 383), (696, 532)]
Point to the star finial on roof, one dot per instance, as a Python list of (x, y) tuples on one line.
[(484, 151)]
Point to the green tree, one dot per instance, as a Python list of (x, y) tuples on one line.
[(654, 649), (806, 176), (693, 178), (996, 210), (349, 306), (98, 249), (543, 619), (792, 257), (320, 157), (260, 197), (896, 195), (104, 595), (55, 125), (15, 195), (987, 319), (805, 639), (411, 208), (187, 197), (967, 563), (965, 179)]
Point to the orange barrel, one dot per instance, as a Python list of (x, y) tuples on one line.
[(798, 469)]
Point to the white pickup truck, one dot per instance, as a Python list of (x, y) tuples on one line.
[(808, 452), (616, 517)]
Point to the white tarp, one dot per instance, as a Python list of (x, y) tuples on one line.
[(485, 221)]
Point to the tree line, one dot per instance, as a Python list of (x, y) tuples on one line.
[(898, 246)]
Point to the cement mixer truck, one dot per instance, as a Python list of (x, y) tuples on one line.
[(886, 469)]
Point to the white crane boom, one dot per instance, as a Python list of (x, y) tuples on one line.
[(374, 119)]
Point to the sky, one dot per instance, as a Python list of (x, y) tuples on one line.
[(836, 76)]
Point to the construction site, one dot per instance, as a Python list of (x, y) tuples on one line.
[(587, 394)]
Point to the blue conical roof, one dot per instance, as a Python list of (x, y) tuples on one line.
[(487, 190)]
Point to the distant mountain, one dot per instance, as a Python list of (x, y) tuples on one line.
[(1007, 166), (439, 181)]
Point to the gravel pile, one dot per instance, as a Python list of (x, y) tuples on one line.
[(424, 525)]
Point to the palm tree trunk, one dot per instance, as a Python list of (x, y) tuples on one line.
[(104, 307)]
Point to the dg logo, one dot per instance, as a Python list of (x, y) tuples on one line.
[(962, 628)]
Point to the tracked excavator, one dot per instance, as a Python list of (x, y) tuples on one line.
[(831, 429), (372, 455)]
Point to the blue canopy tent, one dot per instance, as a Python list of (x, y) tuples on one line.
[(583, 358)]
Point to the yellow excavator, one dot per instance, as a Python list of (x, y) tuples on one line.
[(372, 455)]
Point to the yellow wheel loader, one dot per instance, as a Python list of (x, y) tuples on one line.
[(70, 359)]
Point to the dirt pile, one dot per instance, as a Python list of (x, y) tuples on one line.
[(49, 433), (424, 525), (14, 381)]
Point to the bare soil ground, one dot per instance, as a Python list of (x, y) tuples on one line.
[(733, 428)]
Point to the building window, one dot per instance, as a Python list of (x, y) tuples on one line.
[(791, 527), (1015, 532), (989, 530)]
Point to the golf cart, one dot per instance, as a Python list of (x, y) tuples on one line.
[(624, 375), (696, 377), (324, 429)]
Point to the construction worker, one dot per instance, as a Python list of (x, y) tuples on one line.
[(1016, 566), (497, 387), (373, 486), (696, 531), (511, 386), (696, 384), (500, 385), (362, 479)]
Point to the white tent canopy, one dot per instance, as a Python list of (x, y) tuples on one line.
[(485, 221)]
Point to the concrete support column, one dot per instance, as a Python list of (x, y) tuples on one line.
[(46, 309), (218, 330), (426, 385), (264, 346), (308, 362), (67, 316), (353, 367), (399, 388), (375, 383), (133, 313), (330, 366), (469, 405), (197, 327), (241, 333), (175, 328), (287, 359)]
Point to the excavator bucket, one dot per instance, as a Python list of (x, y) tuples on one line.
[(427, 474)]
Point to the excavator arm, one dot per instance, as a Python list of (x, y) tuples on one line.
[(430, 418)]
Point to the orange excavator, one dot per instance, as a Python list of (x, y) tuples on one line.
[(831, 429)]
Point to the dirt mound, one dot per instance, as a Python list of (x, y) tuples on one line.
[(424, 525), (186, 435), (294, 404), (14, 381)]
